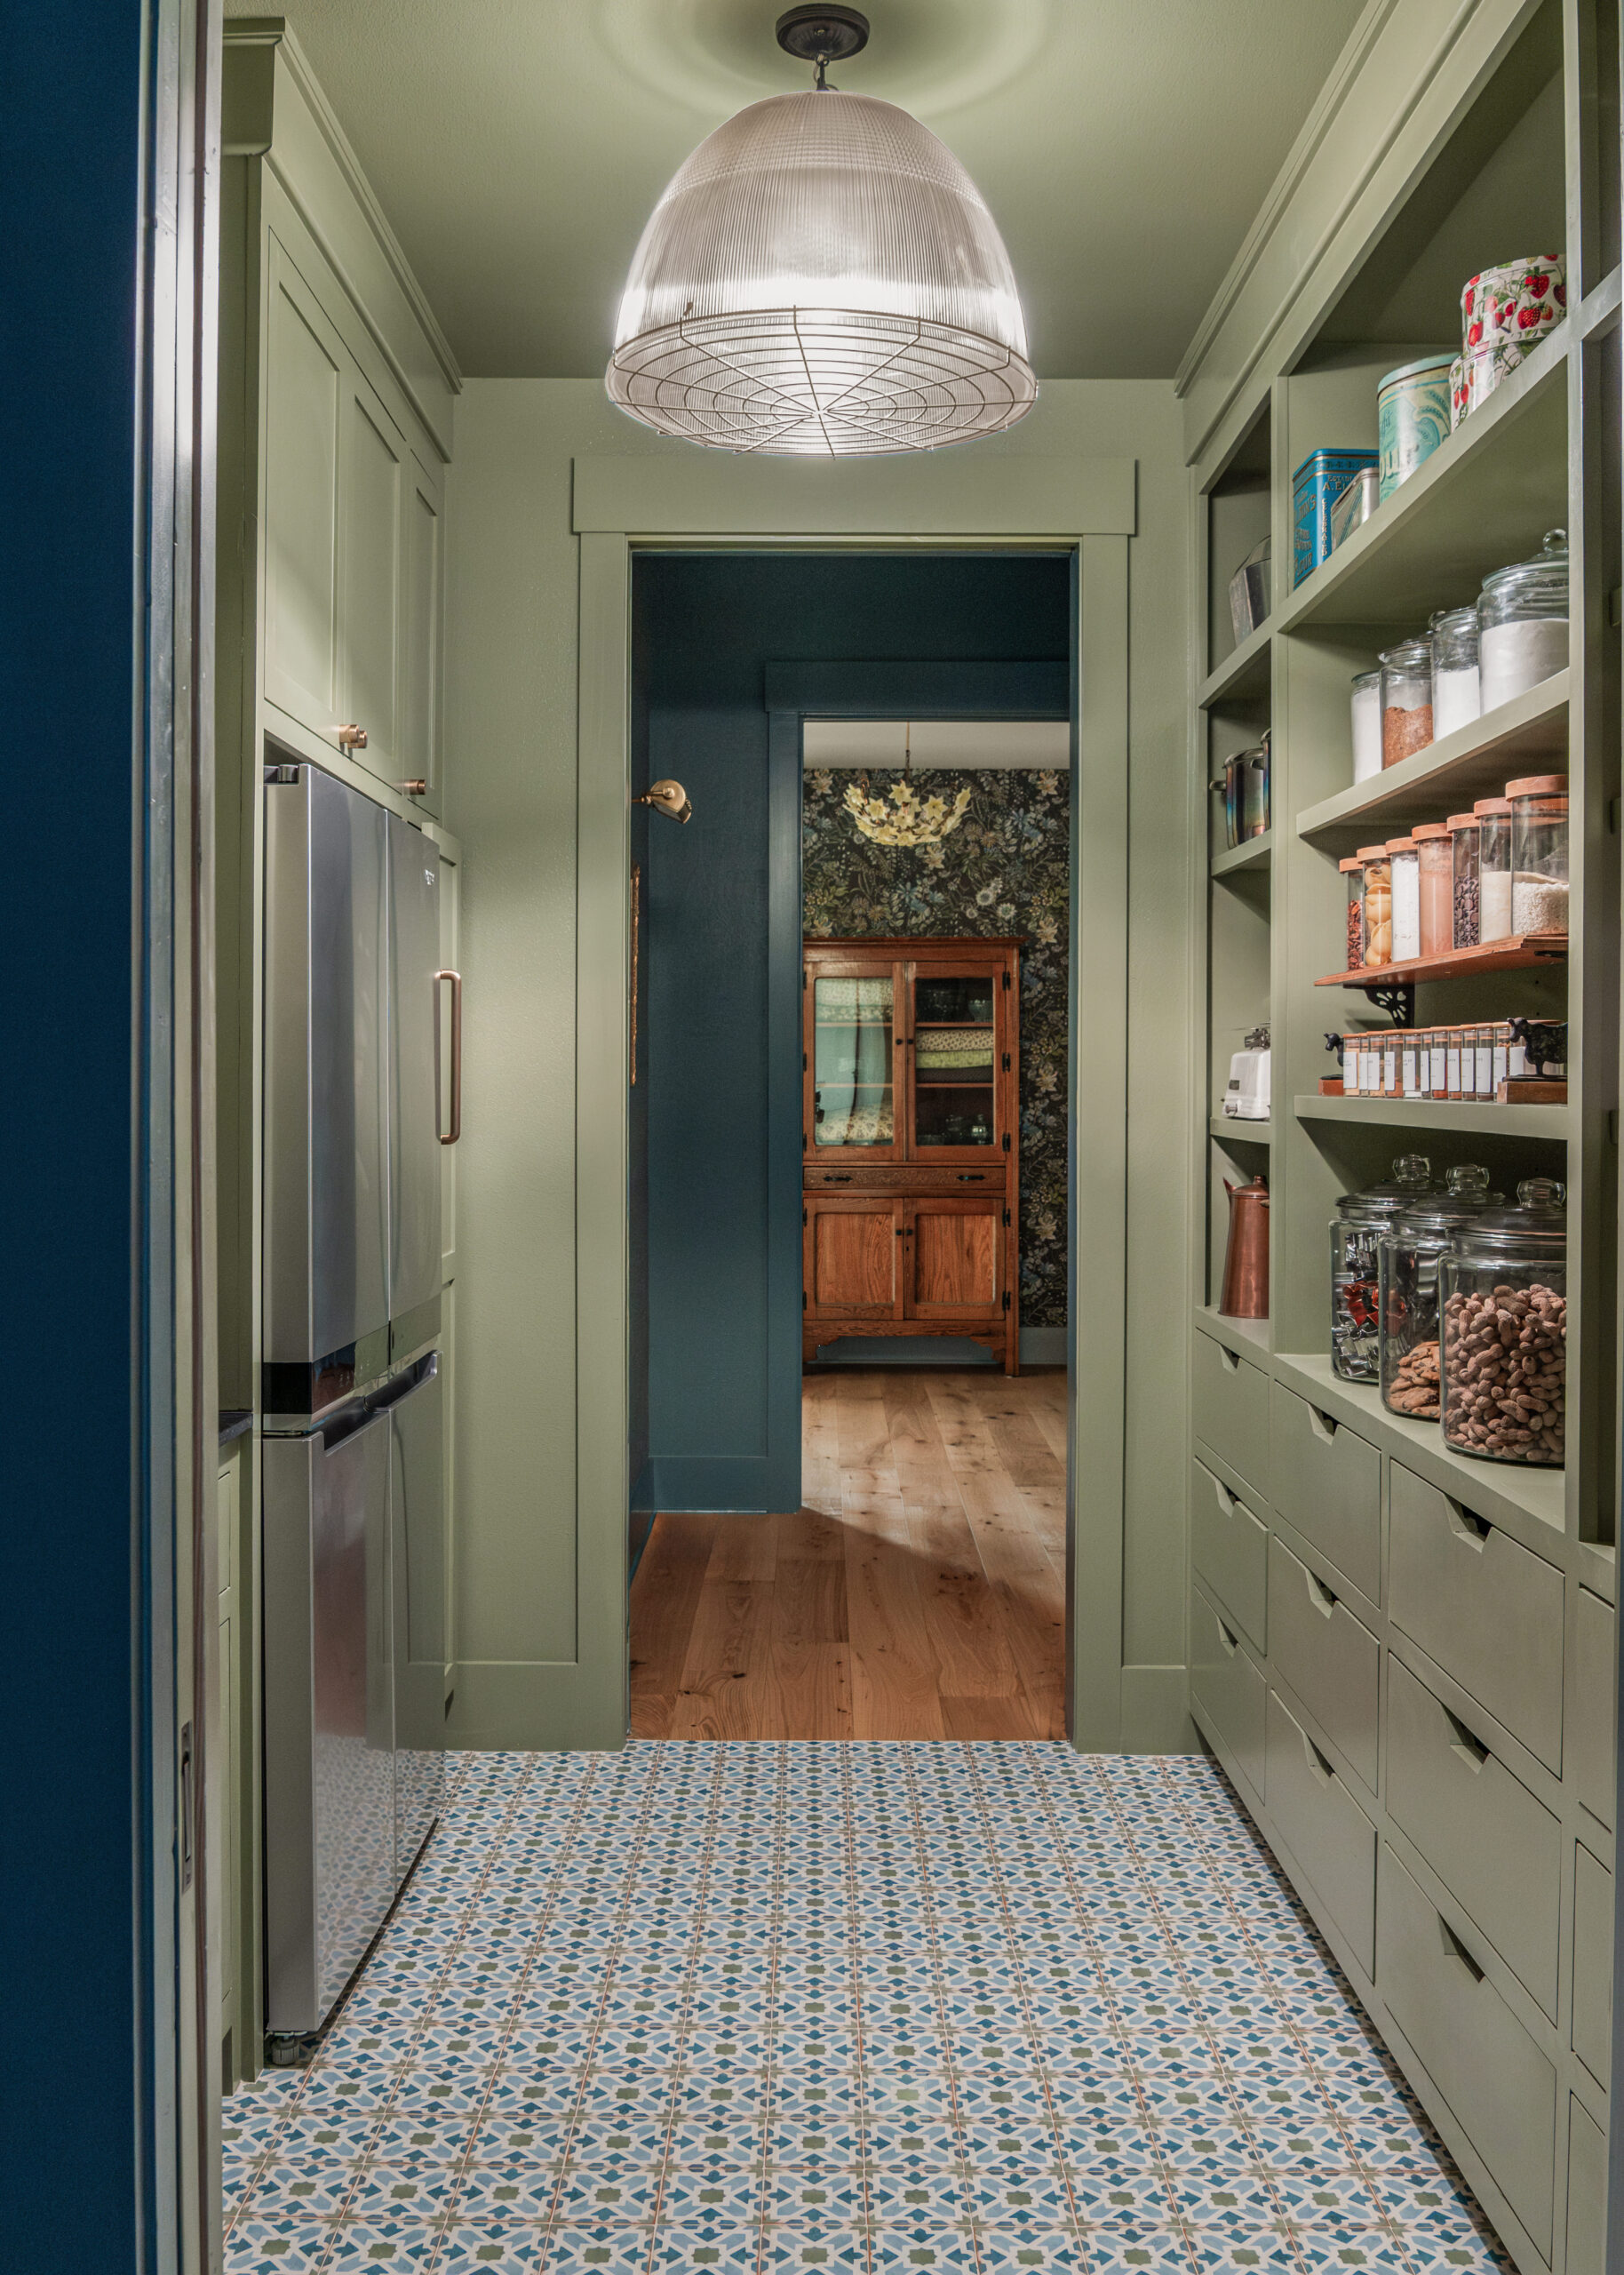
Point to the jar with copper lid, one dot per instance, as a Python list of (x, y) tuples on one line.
[(1465, 831), (1538, 853), (1378, 904), (1352, 870), (1405, 855), (1435, 861), (1406, 699), (1494, 869)]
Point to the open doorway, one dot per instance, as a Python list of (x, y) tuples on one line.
[(864, 1532)]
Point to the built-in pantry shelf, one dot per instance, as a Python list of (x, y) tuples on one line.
[(1233, 1130), (1519, 952), (1476, 762), (1548, 1122), (1242, 677), (1250, 1336), (1251, 853)]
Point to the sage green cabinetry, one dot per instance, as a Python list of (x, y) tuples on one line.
[(1229, 1547), (225, 1775), (1592, 2035), (1326, 1480), (1329, 1657), (1227, 1687), (1230, 1407), (1587, 2239), (1592, 1714), (1323, 1824)]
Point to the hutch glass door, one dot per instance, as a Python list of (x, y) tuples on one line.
[(852, 1075), (954, 1030)]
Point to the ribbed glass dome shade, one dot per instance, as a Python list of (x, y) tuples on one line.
[(821, 279)]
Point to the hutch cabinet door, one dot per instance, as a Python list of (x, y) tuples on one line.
[(371, 483), (954, 1252), (305, 398), (854, 1052), (852, 1255), (422, 614), (959, 1088)]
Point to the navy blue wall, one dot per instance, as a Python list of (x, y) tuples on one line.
[(723, 1268), (76, 2133)]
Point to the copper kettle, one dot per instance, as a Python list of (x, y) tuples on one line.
[(1245, 1258)]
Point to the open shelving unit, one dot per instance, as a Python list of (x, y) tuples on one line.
[(1520, 155)]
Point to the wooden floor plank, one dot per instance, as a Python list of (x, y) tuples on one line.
[(665, 1599)]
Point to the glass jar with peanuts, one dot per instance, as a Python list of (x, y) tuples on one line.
[(1502, 1298)]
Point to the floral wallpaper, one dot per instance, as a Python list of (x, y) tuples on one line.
[(1005, 868)]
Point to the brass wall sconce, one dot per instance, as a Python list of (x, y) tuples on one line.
[(667, 798)]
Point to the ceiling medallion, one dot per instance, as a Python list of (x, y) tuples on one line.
[(908, 819), (821, 279)]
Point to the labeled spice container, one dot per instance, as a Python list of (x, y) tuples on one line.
[(1499, 1054), (1409, 1065), (1356, 1230), (1378, 904), (1538, 853), (1405, 854), (1464, 832), (1390, 1085), (1406, 699), (1408, 1289), (1457, 694), (1437, 1062), (1353, 873), (1367, 725), (1435, 855), (1452, 1062), (1523, 614), (1503, 1288), (1494, 869)]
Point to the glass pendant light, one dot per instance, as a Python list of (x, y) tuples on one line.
[(821, 279)]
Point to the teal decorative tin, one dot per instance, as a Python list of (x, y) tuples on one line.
[(1411, 418), (1315, 486)]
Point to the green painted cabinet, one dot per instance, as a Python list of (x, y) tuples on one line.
[(303, 419)]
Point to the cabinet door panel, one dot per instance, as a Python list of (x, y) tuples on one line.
[(955, 1258), (852, 1258), (371, 477), (421, 583), (304, 383), (956, 1040), (854, 1049)]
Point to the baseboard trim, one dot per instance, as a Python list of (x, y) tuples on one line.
[(1040, 1347)]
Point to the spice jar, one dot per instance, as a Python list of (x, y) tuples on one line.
[(1538, 853), (1378, 904), (1353, 872), (1406, 699), (1464, 830), (1523, 614), (1355, 1230), (1405, 855), (1367, 725), (1494, 869), (1456, 689), (1451, 1063), (1502, 1286), (1436, 859), (1437, 1062), (1408, 1283), (1409, 1065)]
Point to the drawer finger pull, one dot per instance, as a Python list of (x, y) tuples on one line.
[(1471, 1751), (1455, 1950), (1320, 1596), (1232, 1360), (1325, 1426), (1473, 1531), (1230, 1643), (1226, 1499), (1318, 1764)]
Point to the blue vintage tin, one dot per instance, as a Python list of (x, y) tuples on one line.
[(1411, 418), (1317, 484)]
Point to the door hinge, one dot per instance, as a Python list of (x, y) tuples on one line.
[(804, 1218), (803, 1299), (1006, 1299), (1006, 1216), (1005, 1062), (1006, 1141)]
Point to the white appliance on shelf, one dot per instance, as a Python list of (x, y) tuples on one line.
[(1247, 1098)]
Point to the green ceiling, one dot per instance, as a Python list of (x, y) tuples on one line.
[(1124, 145)]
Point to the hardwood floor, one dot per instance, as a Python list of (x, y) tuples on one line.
[(920, 1593)]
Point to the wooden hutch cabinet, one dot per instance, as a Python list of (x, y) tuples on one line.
[(911, 1141)]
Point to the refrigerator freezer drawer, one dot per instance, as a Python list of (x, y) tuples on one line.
[(329, 1841)]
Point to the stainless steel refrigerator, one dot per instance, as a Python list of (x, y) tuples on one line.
[(353, 1543)]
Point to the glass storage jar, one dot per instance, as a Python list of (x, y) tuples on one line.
[(1378, 904), (1408, 1278), (1456, 693), (1355, 1230), (1367, 725), (1405, 855), (1493, 868), (1538, 853), (1435, 856), (1523, 616), (1503, 1290), (1464, 830), (1353, 874), (1406, 699)]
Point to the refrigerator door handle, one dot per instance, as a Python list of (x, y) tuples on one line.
[(451, 1136)]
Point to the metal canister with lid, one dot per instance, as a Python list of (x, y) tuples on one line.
[(1407, 1282), (1502, 1288), (1356, 1232)]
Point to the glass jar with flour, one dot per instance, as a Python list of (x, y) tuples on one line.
[(1457, 698), (1493, 868), (1523, 616)]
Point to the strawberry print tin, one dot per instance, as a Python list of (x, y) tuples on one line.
[(1518, 302)]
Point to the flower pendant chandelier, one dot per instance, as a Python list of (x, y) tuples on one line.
[(908, 819), (821, 279)]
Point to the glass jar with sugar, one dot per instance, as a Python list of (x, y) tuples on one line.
[(1493, 868), (1538, 853), (1457, 698), (1523, 617)]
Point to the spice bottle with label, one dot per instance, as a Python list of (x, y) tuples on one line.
[(1494, 869), (1538, 853), (1435, 857), (1378, 904), (1353, 874), (1464, 832), (1405, 855), (1406, 699)]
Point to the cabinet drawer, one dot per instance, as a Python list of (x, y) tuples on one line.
[(226, 1509), (1326, 1480), (1493, 1846), (1591, 1727), (1230, 1405), (1324, 1828), (1480, 1604), (1592, 1964), (1494, 2078), (1229, 1550), (1228, 1685), (1586, 2251), (892, 1177), (1331, 1659)]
